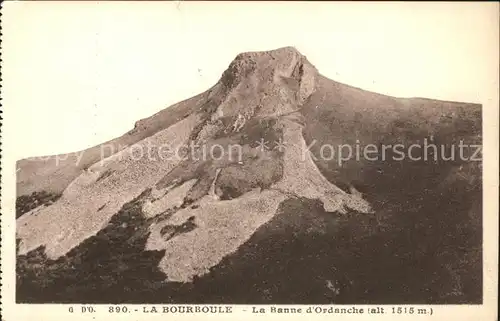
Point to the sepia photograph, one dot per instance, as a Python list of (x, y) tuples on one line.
[(333, 157)]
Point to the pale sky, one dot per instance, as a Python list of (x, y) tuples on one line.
[(78, 74)]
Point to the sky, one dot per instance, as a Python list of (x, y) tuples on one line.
[(77, 74)]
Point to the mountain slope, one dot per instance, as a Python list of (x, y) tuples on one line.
[(53, 174), (257, 203)]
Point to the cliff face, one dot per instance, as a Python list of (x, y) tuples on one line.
[(228, 177)]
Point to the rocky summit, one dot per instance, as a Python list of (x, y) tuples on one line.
[(256, 191)]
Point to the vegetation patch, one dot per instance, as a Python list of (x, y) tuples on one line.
[(107, 267), (26, 203)]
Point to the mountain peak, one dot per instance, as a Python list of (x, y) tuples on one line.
[(265, 73), (282, 52), (255, 164)]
